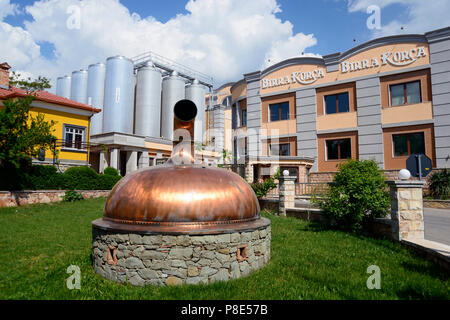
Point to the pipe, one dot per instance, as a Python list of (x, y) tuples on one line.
[(184, 112)]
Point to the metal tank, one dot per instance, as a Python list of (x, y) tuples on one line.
[(148, 102), (118, 108), (95, 94), (78, 91), (63, 85), (196, 93), (172, 92)]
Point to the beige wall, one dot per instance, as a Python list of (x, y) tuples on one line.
[(239, 91), (337, 121), (407, 113)]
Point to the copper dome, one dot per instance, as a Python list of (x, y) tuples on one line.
[(184, 198)]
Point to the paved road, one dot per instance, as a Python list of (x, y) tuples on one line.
[(437, 225)]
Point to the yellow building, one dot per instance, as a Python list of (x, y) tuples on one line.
[(72, 122)]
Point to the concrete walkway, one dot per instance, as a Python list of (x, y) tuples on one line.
[(437, 225)]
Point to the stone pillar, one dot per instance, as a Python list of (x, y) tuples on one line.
[(102, 163), (407, 209), (286, 192), (144, 160), (114, 161), (132, 161)]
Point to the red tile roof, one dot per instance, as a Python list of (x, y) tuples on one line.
[(45, 96)]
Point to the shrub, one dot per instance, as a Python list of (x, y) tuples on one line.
[(43, 177), (72, 196), (357, 195), (107, 182), (440, 184), (111, 171), (82, 178), (262, 188)]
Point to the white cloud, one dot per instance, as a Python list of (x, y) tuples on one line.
[(223, 38), (7, 8), (421, 15)]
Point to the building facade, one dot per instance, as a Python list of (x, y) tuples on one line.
[(72, 123), (384, 100)]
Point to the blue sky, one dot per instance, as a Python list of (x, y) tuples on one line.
[(335, 28), (224, 38)]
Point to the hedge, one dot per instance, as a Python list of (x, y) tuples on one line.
[(42, 177)]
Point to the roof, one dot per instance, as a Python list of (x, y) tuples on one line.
[(45, 96), (5, 66)]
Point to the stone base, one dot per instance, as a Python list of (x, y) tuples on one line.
[(178, 259)]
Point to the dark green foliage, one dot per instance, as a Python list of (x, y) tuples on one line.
[(262, 188), (111, 171), (357, 195), (29, 85), (47, 178), (72, 196), (22, 135), (440, 185)]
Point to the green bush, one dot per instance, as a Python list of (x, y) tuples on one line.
[(107, 182), (72, 196), (111, 171), (440, 184), (357, 195), (262, 188), (82, 178)]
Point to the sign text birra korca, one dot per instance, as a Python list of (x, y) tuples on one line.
[(397, 58), (306, 77)]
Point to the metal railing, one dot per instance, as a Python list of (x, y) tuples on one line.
[(311, 188), (170, 65)]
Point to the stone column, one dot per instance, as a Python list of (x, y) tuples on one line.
[(407, 209), (102, 164), (132, 161), (114, 161), (144, 160), (286, 192)]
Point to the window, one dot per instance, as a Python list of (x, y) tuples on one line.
[(337, 103), (405, 93), (73, 137), (243, 117), (283, 149), (407, 144), (339, 149), (279, 111)]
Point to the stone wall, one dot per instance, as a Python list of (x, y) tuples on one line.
[(183, 259), (23, 198)]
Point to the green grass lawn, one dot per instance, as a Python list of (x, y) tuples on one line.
[(38, 243)]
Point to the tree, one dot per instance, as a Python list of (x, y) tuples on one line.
[(357, 195), (29, 85), (21, 134), (261, 189)]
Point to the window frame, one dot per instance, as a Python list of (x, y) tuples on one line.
[(269, 113), (337, 102), (242, 124), (339, 149), (64, 147), (408, 143), (279, 149), (405, 93)]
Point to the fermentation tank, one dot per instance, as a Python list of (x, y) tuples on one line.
[(118, 109), (172, 92), (148, 102), (78, 91), (63, 85), (196, 93), (95, 94)]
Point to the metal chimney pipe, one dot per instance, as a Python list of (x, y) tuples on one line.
[(184, 112)]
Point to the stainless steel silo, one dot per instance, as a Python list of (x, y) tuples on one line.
[(95, 94), (148, 102), (118, 109), (172, 92), (79, 86), (63, 85), (196, 93)]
